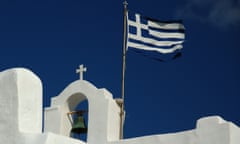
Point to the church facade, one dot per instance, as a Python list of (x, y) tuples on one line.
[(21, 116)]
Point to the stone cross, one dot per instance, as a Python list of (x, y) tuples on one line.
[(81, 70)]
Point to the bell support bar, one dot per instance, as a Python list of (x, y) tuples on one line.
[(80, 112)]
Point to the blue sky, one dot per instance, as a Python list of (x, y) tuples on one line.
[(52, 37)]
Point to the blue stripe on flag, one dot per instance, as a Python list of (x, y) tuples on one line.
[(158, 56), (162, 21), (167, 30), (145, 33)]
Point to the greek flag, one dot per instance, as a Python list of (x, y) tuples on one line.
[(154, 36)]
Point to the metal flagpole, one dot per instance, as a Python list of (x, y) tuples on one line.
[(123, 67)]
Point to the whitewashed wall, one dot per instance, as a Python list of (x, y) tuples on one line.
[(21, 116), (209, 130), (20, 104)]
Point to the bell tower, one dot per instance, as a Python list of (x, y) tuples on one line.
[(103, 112)]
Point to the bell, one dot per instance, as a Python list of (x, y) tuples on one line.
[(79, 126)]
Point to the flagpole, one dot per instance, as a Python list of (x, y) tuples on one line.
[(123, 67)]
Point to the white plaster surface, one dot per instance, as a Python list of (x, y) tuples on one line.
[(103, 112), (46, 138), (21, 116), (20, 103), (210, 130)]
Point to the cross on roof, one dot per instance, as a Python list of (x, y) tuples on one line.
[(81, 70)]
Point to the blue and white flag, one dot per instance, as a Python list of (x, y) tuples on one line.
[(146, 34)]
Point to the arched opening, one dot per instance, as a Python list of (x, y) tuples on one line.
[(80, 121), (78, 116)]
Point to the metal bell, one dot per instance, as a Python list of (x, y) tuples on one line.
[(79, 126)]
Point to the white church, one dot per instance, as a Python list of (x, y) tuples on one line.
[(21, 116)]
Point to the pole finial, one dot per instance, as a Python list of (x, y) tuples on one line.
[(125, 2)]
